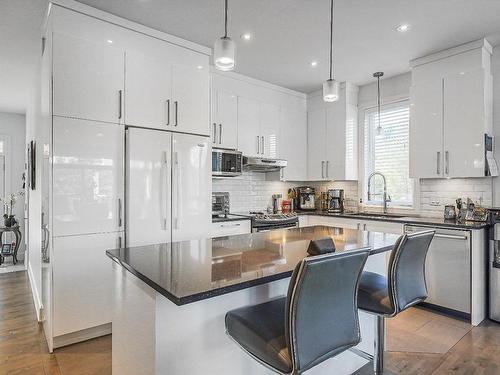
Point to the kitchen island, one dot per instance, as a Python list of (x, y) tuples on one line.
[(170, 299)]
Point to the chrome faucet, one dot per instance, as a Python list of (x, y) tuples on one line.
[(386, 197)]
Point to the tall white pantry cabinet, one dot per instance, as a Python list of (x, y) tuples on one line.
[(98, 78)]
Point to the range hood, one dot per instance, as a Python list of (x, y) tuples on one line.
[(258, 164)]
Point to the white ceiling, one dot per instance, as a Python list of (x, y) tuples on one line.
[(287, 35)]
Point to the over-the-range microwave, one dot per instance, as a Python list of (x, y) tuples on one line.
[(226, 163)]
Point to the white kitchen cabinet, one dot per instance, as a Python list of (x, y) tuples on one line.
[(464, 110), (258, 128), (88, 79), (231, 228), (190, 98), (163, 92), (304, 221), (426, 130), (270, 130), (333, 137), (451, 111), (293, 144), (87, 183), (248, 126), (316, 144), (82, 281), (149, 89), (224, 131)]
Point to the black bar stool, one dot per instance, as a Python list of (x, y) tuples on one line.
[(403, 287), (317, 319)]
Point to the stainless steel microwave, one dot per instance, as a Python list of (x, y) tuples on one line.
[(226, 163)]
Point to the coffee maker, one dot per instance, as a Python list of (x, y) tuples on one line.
[(336, 200), (307, 198)]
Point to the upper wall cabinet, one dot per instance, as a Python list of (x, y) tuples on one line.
[(167, 88), (293, 136), (88, 79), (450, 112), (332, 141), (224, 119), (258, 128)]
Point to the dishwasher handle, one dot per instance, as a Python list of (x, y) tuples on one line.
[(442, 235)]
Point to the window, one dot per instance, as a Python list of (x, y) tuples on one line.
[(387, 152)]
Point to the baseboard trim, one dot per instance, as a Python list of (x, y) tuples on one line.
[(83, 335), (34, 292)]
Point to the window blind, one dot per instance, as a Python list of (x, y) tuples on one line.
[(387, 153)]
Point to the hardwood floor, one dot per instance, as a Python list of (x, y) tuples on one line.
[(23, 350)]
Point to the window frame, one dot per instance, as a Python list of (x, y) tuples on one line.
[(362, 188)]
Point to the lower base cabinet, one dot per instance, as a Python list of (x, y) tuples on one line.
[(231, 228), (82, 281)]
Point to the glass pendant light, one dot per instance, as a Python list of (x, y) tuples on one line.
[(379, 130), (224, 48), (330, 86)]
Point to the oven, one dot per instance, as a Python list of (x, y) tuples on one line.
[(226, 163)]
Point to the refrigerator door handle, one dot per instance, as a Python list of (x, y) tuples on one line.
[(164, 190), (119, 212), (177, 196)]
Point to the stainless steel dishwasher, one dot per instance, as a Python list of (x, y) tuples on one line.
[(448, 269)]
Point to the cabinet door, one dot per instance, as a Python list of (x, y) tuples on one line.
[(464, 119), (87, 177), (148, 95), (191, 187), (82, 281), (426, 130), (270, 130), (316, 145), (248, 127), (191, 97), (293, 144), (225, 123), (335, 141), (88, 79)]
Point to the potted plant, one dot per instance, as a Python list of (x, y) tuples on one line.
[(8, 208)]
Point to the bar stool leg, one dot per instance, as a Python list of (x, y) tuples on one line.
[(378, 354)]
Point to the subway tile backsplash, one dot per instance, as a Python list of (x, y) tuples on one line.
[(252, 191)]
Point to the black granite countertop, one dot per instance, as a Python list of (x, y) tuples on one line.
[(230, 217), (414, 220), (195, 270)]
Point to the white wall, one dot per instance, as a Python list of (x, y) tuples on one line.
[(14, 126), (33, 122)]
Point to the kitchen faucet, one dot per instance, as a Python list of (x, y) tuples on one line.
[(386, 197)]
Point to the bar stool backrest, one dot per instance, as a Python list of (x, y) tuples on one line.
[(321, 315), (407, 285)]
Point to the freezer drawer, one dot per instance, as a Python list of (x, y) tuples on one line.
[(448, 269)]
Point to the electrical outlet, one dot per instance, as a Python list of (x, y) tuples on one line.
[(435, 203)]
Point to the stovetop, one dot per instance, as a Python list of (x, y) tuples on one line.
[(265, 217)]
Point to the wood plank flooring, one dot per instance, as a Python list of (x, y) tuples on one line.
[(23, 350)]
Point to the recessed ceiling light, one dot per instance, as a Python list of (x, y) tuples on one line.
[(314, 63), (403, 28), (246, 36), (199, 67), (110, 41)]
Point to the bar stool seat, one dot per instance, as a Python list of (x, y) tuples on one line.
[(403, 287), (317, 319), (373, 294), (260, 330)]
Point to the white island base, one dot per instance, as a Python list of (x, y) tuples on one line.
[(152, 335)]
